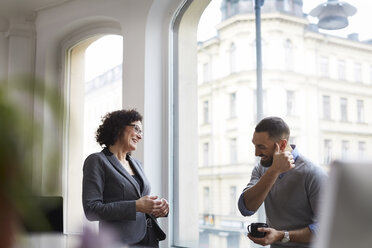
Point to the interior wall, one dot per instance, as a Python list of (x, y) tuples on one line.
[(145, 27)]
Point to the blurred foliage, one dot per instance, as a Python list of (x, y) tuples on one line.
[(21, 100)]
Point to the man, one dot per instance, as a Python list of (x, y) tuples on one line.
[(288, 183)]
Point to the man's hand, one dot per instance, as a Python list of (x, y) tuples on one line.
[(282, 160), (271, 236)]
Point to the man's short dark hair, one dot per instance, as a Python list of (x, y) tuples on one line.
[(275, 127)]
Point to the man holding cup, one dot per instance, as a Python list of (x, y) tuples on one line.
[(287, 183)]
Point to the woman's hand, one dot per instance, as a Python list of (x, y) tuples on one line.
[(163, 210), (148, 204)]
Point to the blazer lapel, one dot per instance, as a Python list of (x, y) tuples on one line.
[(138, 169), (118, 166)]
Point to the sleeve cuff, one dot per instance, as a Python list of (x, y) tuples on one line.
[(243, 210), (313, 228)]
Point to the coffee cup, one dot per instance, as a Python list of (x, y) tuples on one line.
[(252, 229)]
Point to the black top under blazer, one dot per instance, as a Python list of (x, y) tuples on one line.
[(110, 192)]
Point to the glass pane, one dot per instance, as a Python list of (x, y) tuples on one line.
[(103, 85), (317, 80), (94, 89)]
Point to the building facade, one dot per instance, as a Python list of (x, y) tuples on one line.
[(321, 85)]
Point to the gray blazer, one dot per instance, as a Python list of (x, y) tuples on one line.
[(109, 195)]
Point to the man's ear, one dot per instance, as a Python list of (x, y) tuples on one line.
[(282, 144)]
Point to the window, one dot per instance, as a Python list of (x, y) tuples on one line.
[(206, 197), (233, 200), (233, 240), (326, 107), (290, 102), (233, 105), (321, 61), (341, 69), (205, 154), (94, 67), (287, 5), (360, 111), (361, 150), (205, 112), (358, 72), (229, 8), (344, 149), (254, 103), (206, 72), (327, 151), (288, 54), (323, 66), (232, 53), (343, 106), (233, 151), (103, 85)]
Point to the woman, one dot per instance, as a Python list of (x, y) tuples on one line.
[(115, 188)]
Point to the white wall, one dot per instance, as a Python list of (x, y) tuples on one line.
[(42, 48)]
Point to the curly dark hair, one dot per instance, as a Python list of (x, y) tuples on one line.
[(113, 125)]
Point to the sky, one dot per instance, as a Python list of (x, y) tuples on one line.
[(359, 23), (103, 55)]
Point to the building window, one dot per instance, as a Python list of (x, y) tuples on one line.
[(327, 151), (343, 106), (233, 200), (94, 88), (341, 69), (326, 107), (287, 5), (361, 149), (205, 112), (206, 154), (344, 149), (323, 66), (360, 111), (233, 240), (233, 151), (288, 54), (206, 72), (264, 105), (358, 72), (204, 239), (370, 74), (206, 199), (290, 102), (233, 105), (232, 51)]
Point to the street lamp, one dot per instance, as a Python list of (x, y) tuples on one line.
[(333, 14), (259, 94)]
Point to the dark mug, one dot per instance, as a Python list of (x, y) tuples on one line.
[(252, 229)]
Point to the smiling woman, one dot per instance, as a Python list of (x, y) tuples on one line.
[(116, 191)]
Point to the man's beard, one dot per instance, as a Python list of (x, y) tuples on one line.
[(268, 162)]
